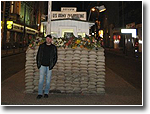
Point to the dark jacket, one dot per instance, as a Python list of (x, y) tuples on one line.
[(53, 57)]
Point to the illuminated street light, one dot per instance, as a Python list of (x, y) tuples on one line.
[(99, 8), (93, 9)]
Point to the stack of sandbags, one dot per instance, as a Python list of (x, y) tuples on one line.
[(76, 71), (92, 71), (67, 69), (58, 72), (36, 71), (54, 78), (29, 71), (60, 75), (100, 66), (84, 71)]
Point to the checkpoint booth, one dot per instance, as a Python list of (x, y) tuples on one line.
[(79, 70), (69, 21), (61, 27)]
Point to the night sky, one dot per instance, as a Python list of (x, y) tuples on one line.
[(81, 5), (112, 12), (87, 5)]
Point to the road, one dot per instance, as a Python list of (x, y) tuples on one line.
[(10, 65), (129, 69)]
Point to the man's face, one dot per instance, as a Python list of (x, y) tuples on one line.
[(48, 40)]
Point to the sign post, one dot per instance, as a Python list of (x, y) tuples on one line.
[(48, 30)]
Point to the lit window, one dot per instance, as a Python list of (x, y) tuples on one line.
[(12, 7)]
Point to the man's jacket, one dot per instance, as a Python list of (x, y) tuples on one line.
[(53, 57)]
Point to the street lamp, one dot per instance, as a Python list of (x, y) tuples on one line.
[(99, 8)]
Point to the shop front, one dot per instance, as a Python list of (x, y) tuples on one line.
[(15, 35)]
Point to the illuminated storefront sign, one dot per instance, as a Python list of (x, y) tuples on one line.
[(9, 24), (19, 28), (1, 24), (31, 31), (132, 31), (101, 33)]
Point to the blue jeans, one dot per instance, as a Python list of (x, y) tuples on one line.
[(44, 70)]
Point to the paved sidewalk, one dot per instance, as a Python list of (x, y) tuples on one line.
[(118, 92)]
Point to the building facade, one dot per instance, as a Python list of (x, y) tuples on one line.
[(129, 17), (130, 13), (20, 22)]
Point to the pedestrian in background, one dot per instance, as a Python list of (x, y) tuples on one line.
[(46, 59)]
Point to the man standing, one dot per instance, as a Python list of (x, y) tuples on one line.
[(46, 59)]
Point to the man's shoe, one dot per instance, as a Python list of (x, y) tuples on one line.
[(45, 95), (39, 97)]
